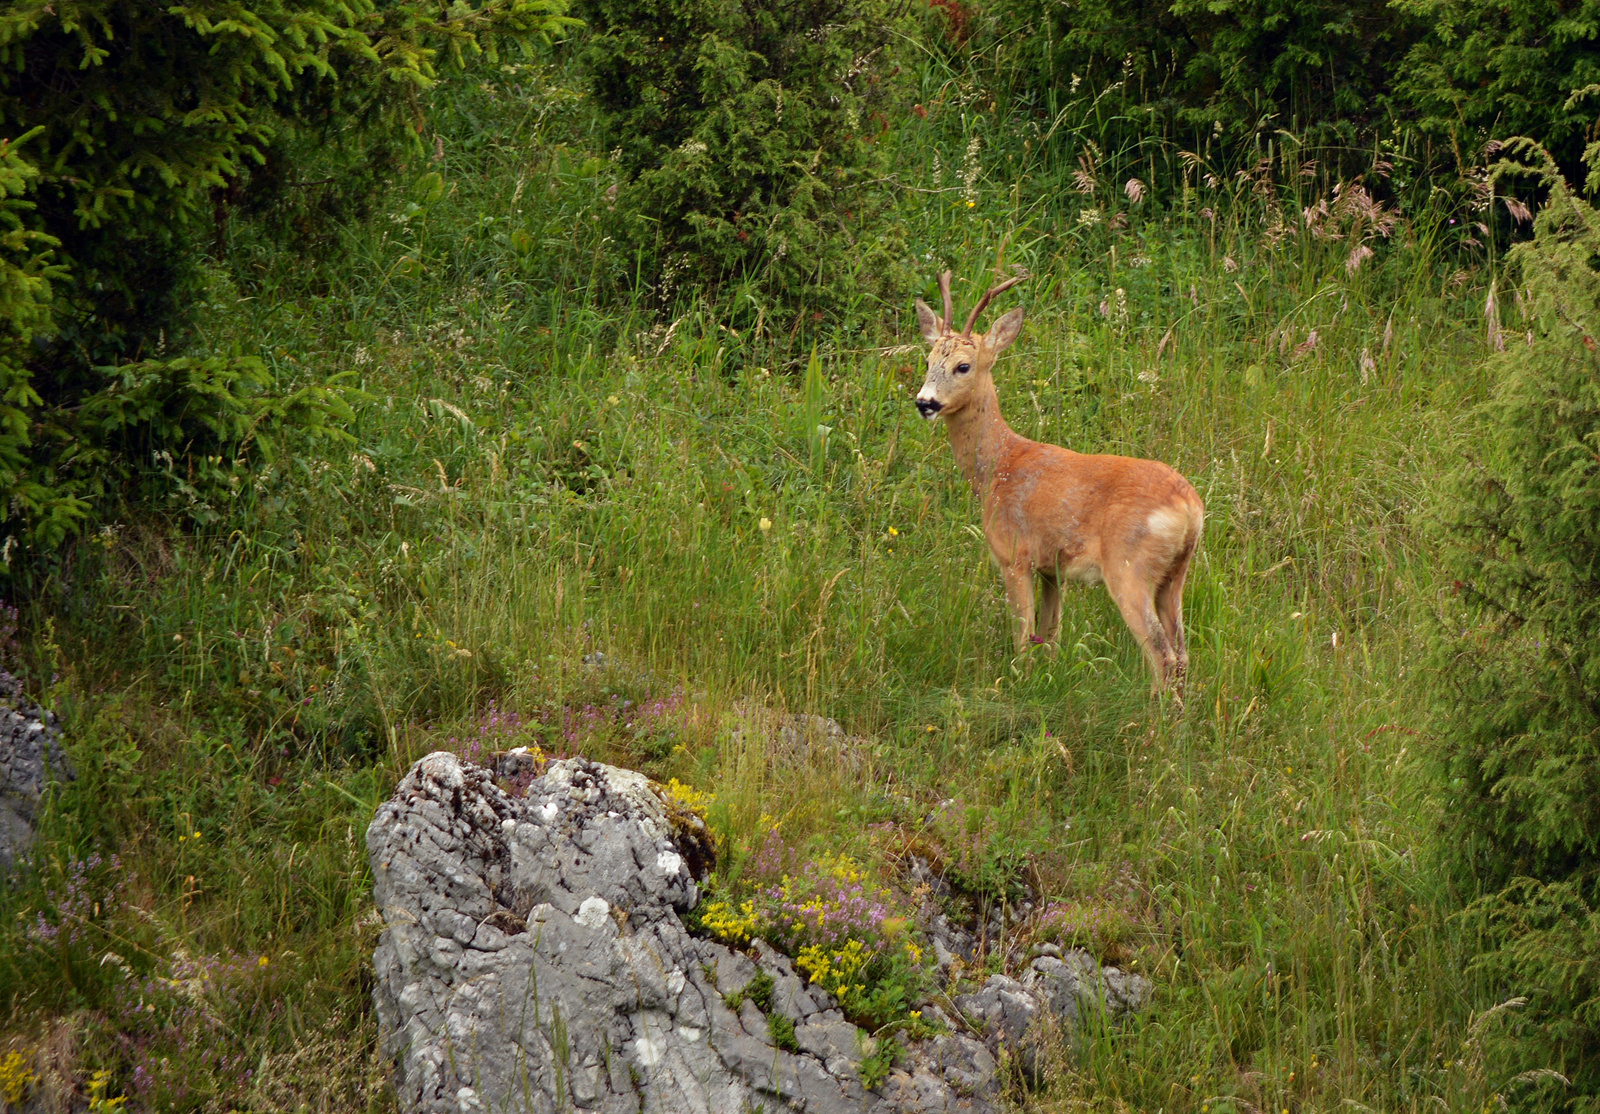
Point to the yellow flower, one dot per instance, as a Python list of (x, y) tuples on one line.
[(262, 962), (970, 204), (16, 1078), (765, 524), (893, 533), (689, 797)]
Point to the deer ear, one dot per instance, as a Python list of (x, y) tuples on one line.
[(928, 321), (1004, 331)]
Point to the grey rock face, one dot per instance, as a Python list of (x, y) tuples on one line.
[(30, 758), (533, 961)]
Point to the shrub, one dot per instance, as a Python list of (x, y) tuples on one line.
[(1338, 74), (747, 140), (1492, 70), (141, 121), (1322, 64), (1520, 664)]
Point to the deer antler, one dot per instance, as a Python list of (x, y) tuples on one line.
[(949, 310), (984, 301)]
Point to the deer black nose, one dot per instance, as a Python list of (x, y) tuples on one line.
[(928, 407)]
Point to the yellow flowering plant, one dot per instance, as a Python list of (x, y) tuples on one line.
[(841, 927)]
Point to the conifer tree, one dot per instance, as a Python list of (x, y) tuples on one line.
[(1520, 663), (139, 118), (747, 135)]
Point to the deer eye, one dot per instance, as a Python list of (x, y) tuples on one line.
[(962, 369)]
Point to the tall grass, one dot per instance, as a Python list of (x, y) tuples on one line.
[(556, 499)]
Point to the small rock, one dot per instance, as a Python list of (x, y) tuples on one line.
[(31, 757)]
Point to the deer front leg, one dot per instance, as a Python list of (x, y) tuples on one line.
[(1019, 594)]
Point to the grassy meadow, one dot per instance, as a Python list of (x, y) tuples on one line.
[(568, 519)]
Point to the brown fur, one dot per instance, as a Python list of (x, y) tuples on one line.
[(1054, 514)]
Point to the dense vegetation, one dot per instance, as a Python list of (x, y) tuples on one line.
[(503, 406), (1523, 680)]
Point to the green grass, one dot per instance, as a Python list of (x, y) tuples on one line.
[(540, 474)]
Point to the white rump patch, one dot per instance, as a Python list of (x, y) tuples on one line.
[(593, 912), (1167, 523)]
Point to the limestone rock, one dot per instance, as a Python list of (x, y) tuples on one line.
[(31, 757), (533, 960)]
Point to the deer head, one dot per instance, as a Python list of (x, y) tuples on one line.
[(958, 363)]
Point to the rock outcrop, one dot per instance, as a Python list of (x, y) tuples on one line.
[(31, 758), (533, 959)]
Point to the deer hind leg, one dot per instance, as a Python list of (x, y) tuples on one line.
[(1135, 600), (1019, 594), (1049, 607), (1169, 607)]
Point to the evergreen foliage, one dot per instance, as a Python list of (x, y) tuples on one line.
[(1522, 677), (27, 269), (1335, 73), (1488, 70), (142, 121), (747, 137), (1263, 64)]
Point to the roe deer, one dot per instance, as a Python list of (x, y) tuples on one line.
[(1048, 511)]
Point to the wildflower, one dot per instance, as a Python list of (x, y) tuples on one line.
[(893, 533), (765, 524), (970, 171), (262, 962)]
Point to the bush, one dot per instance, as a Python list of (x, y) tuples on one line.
[(1321, 65), (1339, 74), (1521, 664), (1489, 70), (747, 138), (142, 121)]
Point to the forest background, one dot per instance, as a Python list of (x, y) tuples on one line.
[(382, 377)]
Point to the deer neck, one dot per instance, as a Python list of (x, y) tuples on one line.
[(978, 435)]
